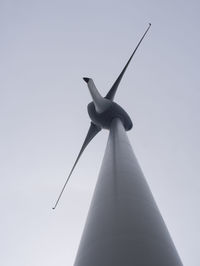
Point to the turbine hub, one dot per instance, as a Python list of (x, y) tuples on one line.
[(105, 118)]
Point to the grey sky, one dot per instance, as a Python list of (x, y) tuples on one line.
[(46, 48)]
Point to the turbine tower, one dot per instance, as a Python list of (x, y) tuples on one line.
[(124, 226)]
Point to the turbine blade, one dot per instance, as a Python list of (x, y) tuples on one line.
[(111, 94), (92, 132), (100, 103)]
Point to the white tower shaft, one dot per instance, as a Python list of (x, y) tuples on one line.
[(124, 226)]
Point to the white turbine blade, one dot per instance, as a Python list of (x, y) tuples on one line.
[(100, 103), (111, 94), (92, 132)]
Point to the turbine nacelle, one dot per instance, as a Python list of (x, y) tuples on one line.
[(102, 111)]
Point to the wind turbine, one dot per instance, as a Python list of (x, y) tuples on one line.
[(124, 226), (102, 110)]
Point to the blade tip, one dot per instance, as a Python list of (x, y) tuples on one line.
[(86, 79)]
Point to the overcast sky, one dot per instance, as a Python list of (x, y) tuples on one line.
[(46, 48)]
